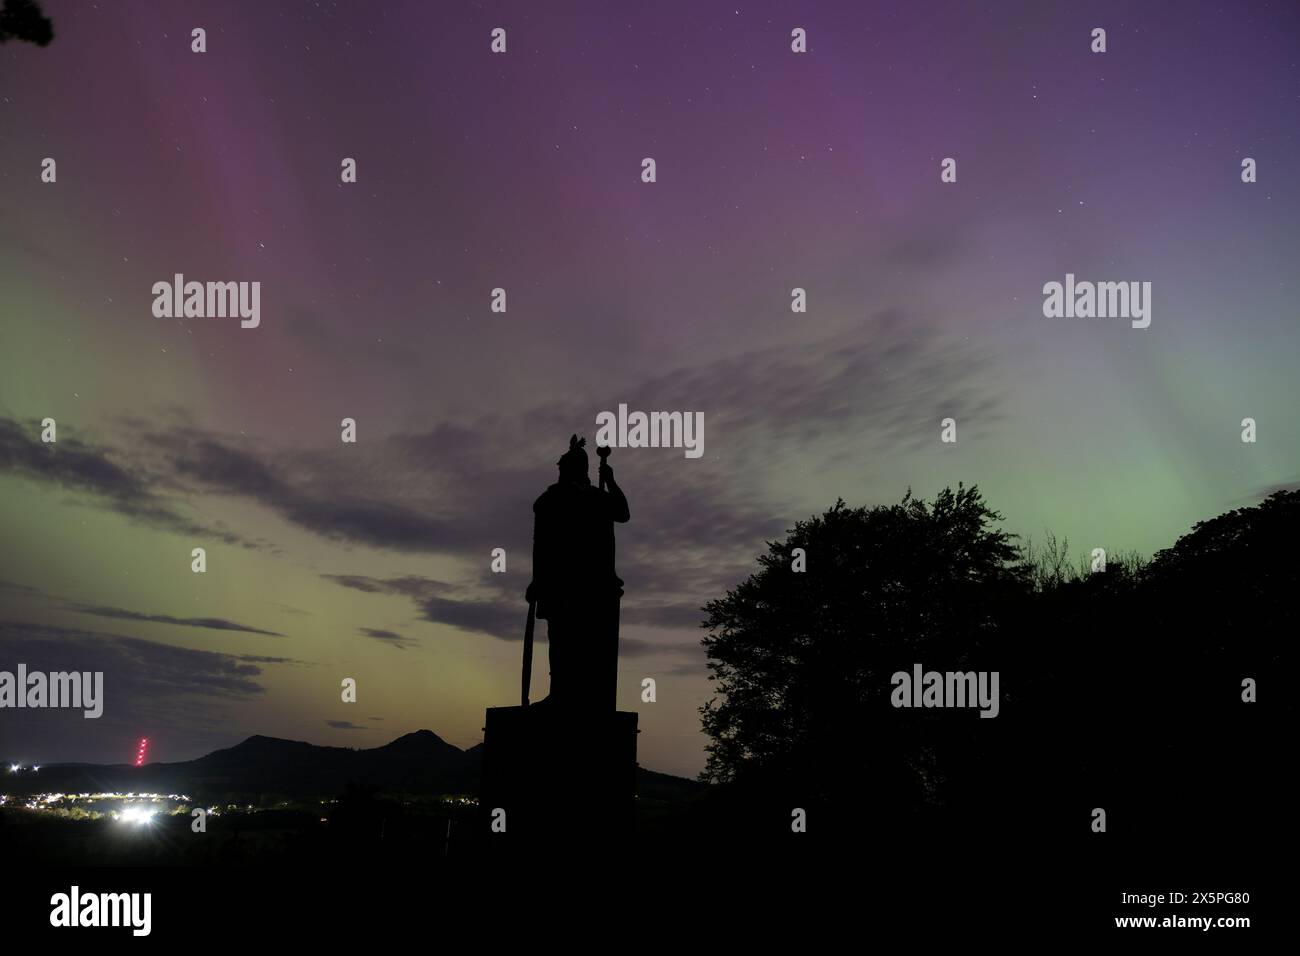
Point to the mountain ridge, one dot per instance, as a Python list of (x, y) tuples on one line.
[(419, 762)]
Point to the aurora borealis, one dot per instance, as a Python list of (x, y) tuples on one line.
[(521, 171)]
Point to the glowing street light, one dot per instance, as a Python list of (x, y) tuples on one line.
[(137, 815)]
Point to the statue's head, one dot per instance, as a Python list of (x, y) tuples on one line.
[(573, 463)]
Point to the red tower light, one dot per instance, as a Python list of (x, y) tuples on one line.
[(140, 751)]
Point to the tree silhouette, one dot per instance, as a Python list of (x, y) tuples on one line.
[(1121, 689), (803, 661), (23, 20)]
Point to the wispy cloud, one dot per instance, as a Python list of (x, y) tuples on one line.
[(134, 668), (461, 489), (391, 638), (212, 623), (442, 603), (89, 470)]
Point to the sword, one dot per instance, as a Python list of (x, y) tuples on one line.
[(528, 649)]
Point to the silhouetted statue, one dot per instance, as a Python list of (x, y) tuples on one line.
[(574, 585), (562, 771)]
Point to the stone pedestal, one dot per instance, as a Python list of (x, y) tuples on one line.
[(567, 778)]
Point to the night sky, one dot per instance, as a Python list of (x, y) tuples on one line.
[(522, 171)]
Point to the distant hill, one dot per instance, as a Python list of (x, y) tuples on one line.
[(418, 763)]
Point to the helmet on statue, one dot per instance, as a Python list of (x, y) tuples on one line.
[(573, 463)]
